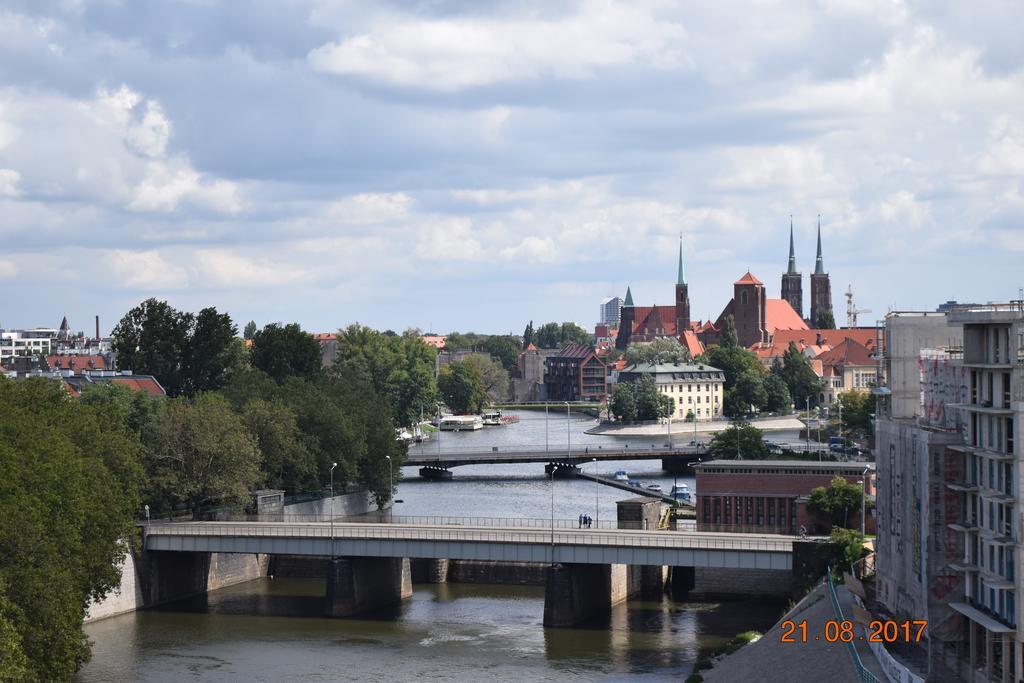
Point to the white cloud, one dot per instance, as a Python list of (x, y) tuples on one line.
[(8, 269), (368, 208), (449, 239), (1004, 155), (9, 182), (532, 250), (166, 184), (221, 268), (801, 169), (904, 209), (148, 271), (454, 53)]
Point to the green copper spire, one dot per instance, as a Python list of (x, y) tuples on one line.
[(629, 298), (819, 267), (792, 251), (682, 272)]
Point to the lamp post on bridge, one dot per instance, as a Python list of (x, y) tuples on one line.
[(597, 488), (391, 479), (333, 465)]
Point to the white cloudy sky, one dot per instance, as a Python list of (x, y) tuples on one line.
[(468, 165)]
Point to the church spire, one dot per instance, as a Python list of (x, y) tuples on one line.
[(629, 298), (682, 273), (792, 251), (819, 267)]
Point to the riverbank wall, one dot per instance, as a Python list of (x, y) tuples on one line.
[(683, 430)]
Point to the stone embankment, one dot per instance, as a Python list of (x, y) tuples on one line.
[(682, 430)]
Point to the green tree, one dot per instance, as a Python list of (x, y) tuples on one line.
[(210, 352), (505, 348), (857, 409), (623, 402), (200, 453), (68, 495), (250, 330), (826, 321), (286, 461), (134, 409), (736, 362), (799, 376), (747, 393), (400, 368), (852, 543), (661, 350), (778, 398), (286, 351), (528, 335), (493, 377), (462, 387), (549, 336), (750, 439), (153, 339), (729, 338), (836, 503), (651, 404), (571, 332)]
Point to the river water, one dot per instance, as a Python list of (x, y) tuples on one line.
[(271, 630)]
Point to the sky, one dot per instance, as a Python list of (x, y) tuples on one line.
[(472, 166)]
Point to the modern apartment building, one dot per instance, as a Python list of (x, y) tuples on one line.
[(575, 373), (991, 635)]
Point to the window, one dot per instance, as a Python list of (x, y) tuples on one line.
[(743, 297)]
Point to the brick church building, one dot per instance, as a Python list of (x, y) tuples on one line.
[(756, 316)]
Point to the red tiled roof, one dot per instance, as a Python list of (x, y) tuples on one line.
[(435, 340), (531, 347), (141, 383), (779, 315), (574, 350), (692, 343), (748, 279), (829, 338), (667, 315), (849, 352), (81, 362), (325, 336)]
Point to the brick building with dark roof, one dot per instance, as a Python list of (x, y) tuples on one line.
[(575, 373)]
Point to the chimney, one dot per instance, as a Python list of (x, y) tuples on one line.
[(97, 328), (820, 339)]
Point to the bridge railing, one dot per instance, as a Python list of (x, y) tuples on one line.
[(863, 673), (624, 538)]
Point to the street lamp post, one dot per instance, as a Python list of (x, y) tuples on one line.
[(597, 488), (545, 426), (808, 425), (391, 478), (333, 465), (438, 434)]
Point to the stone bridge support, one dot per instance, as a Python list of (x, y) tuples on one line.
[(169, 576), (575, 593), (361, 584)]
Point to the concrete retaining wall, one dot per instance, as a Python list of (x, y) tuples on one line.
[(742, 582), (345, 505), (128, 597)]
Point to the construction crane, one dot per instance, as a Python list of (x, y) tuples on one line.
[(851, 310)]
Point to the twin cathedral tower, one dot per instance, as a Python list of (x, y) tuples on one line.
[(755, 315)]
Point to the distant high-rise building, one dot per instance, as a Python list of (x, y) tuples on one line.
[(821, 288), (792, 281), (610, 311)]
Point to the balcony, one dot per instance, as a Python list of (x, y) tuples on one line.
[(963, 526), (964, 566), (963, 487)]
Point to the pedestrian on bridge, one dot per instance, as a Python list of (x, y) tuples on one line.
[(581, 521)]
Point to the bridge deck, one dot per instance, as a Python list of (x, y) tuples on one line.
[(605, 546)]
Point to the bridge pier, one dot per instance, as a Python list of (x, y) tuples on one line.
[(574, 593), (361, 584), (682, 580), (679, 464), (561, 470), (437, 473), (430, 570)]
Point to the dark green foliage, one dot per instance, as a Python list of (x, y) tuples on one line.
[(651, 404), (462, 387), (661, 350), (210, 352), (250, 330), (400, 368), (857, 409), (286, 460), (729, 338), (493, 377), (286, 351), (200, 453), (623, 402), (571, 332), (751, 442), (68, 494), (837, 503), (777, 395), (505, 349), (852, 543), (555, 336), (153, 339), (528, 335), (737, 364), (186, 353), (796, 371), (826, 321)]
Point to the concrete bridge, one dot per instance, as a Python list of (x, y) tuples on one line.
[(368, 564)]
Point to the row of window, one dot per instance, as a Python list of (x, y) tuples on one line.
[(992, 432), (996, 600), (749, 510)]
